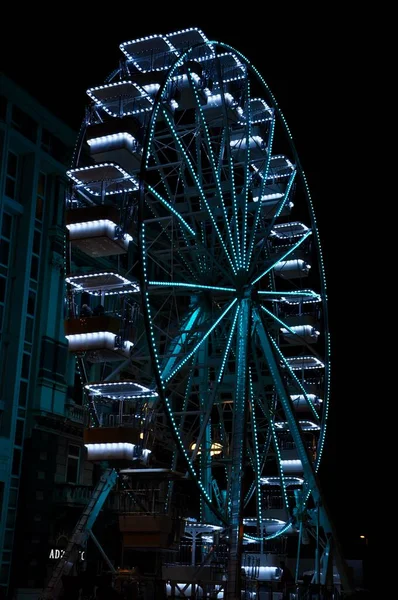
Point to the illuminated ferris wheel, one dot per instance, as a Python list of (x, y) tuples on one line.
[(191, 225)]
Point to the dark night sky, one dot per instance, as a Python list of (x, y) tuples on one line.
[(310, 84)]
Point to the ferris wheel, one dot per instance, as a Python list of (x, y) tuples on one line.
[(191, 222)]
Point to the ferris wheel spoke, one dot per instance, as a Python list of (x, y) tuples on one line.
[(279, 209), (197, 346), (228, 346), (273, 440), (225, 148), (292, 422), (263, 458), (198, 183), (171, 209), (177, 346), (282, 323), (247, 177), (295, 379), (214, 392), (238, 435), (284, 255), (215, 168), (256, 452), (193, 251), (192, 286)]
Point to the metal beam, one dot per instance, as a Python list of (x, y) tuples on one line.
[(233, 590)]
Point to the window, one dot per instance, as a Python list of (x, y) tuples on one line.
[(29, 330), (43, 455), (16, 461), (13, 498), (6, 226), (19, 433), (72, 464), (5, 245), (8, 536), (31, 303), (53, 145), (1, 498), (23, 393), (41, 194), (4, 573), (36, 242), (24, 123), (3, 108), (46, 140), (39, 495), (25, 365), (34, 268), (11, 175), (4, 251)]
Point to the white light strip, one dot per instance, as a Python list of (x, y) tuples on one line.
[(276, 481), (265, 197), (88, 275), (123, 136), (301, 331), (97, 339), (93, 386), (304, 362), (92, 228), (110, 451), (96, 168)]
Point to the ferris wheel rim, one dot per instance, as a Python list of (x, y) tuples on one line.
[(142, 190)]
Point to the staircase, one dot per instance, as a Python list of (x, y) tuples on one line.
[(79, 535)]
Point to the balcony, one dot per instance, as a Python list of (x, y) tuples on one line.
[(76, 495), (76, 413), (72, 495)]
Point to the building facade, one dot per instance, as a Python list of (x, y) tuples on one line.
[(41, 455)]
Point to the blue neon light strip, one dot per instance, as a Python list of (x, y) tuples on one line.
[(214, 167), (199, 185), (278, 320), (265, 175), (287, 191), (295, 378), (247, 177), (178, 367), (228, 347), (171, 209), (180, 343), (191, 286)]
